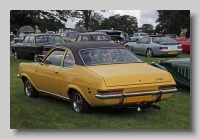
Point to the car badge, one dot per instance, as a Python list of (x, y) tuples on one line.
[(157, 79)]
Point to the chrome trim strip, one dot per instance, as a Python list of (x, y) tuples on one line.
[(105, 96), (18, 75), (52, 94)]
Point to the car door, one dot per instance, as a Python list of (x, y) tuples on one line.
[(67, 73), (47, 73), (21, 50), (30, 47), (140, 46)]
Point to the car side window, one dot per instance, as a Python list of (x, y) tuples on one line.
[(26, 39), (69, 60), (79, 38), (143, 40), (85, 38), (55, 58), (148, 41), (31, 39)]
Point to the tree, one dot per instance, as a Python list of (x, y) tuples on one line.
[(124, 23), (85, 17), (170, 21), (147, 28), (19, 18)]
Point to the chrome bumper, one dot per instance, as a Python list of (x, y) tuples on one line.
[(122, 95)]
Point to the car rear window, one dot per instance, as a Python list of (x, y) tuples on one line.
[(100, 37), (164, 40), (107, 56)]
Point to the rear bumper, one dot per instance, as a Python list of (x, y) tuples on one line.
[(132, 94)]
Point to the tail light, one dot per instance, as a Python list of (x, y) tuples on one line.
[(163, 48), (43, 48), (167, 87), (110, 91), (179, 47)]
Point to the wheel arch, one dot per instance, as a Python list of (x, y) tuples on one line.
[(25, 76), (72, 88)]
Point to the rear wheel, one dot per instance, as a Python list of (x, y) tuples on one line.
[(35, 57), (79, 104), (29, 89), (149, 53)]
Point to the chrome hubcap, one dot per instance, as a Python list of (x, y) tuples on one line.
[(149, 53), (28, 88), (77, 102), (35, 57)]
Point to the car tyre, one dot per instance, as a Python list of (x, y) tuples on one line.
[(29, 90), (35, 57), (16, 55), (149, 53), (79, 104)]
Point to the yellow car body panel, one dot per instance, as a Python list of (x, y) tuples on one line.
[(82, 78)]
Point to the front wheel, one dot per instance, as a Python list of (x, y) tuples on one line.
[(29, 89), (79, 104), (149, 53)]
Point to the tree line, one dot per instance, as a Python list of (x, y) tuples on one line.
[(169, 21)]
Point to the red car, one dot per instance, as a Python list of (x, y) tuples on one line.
[(93, 36), (185, 44)]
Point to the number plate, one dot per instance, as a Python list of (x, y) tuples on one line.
[(172, 52)]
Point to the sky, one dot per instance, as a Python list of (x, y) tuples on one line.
[(143, 16)]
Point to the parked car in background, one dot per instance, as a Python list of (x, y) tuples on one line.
[(179, 68), (185, 44), (171, 35), (90, 74), (69, 36), (115, 35), (35, 45), (93, 36), (155, 46), (138, 36)]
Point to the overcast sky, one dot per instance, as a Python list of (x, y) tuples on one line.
[(143, 16)]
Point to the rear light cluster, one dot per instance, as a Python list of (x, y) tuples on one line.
[(167, 87), (179, 47), (43, 48), (110, 91), (163, 48)]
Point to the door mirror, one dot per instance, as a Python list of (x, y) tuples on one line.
[(39, 59)]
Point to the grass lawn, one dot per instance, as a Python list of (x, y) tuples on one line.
[(47, 112)]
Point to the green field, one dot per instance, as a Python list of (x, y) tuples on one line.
[(47, 112)]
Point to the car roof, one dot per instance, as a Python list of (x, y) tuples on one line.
[(92, 33), (42, 34), (75, 47)]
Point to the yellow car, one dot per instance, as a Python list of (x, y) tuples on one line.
[(90, 74)]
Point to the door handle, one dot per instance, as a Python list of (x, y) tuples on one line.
[(56, 72)]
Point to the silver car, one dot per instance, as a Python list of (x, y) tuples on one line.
[(155, 46)]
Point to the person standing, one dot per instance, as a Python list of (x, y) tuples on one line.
[(187, 33), (182, 34), (37, 30)]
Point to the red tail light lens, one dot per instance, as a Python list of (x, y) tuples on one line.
[(163, 48), (110, 91), (43, 48), (167, 87)]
